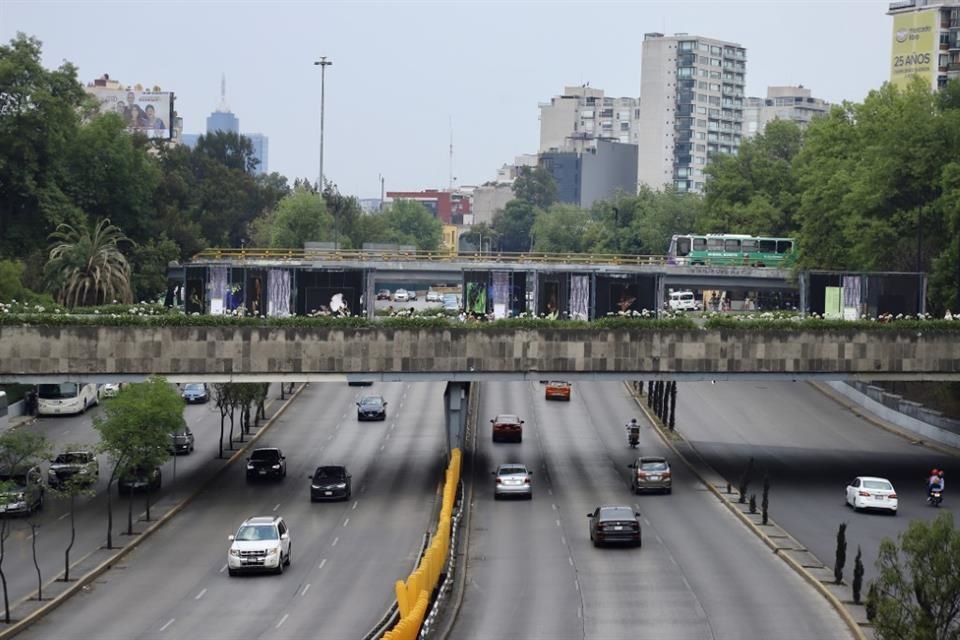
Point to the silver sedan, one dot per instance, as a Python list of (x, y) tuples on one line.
[(513, 480)]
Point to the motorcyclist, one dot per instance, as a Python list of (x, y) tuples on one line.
[(633, 431), (935, 482)]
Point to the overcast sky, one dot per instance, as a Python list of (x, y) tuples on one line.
[(404, 70)]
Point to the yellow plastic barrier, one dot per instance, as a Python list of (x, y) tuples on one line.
[(413, 595)]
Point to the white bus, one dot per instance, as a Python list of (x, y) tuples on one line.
[(66, 397)]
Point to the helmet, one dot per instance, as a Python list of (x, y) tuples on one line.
[(935, 472), (633, 421)]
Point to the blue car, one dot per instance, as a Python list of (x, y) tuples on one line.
[(195, 393)]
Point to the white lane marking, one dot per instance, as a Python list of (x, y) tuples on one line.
[(554, 506), (388, 437), (570, 560), (66, 515), (355, 503), (550, 491), (335, 541), (322, 562), (346, 522), (305, 589), (283, 619), (169, 622), (392, 425), (276, 507), (330, 437), (558, 523), (222, 569), (381, 447), (200, 595), (576, 585), (563, 540)]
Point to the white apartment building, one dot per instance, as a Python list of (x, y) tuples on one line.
[(691, 107), (796, 104), (575, 120), (925, 41)]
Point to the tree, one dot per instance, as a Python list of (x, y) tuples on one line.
[(72, 488), (535, 186), (223, 400), (841, 554), (642, 224), (300, 217), (918, 587), (148, 265), (20, 451), (562, 228), (232, 150), (39, 114), (409, 222), (857, 575), (135, 432), (87, 267), (345, 211), (12, 287), (513, 225)]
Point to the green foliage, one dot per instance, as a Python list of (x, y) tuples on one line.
[(11, 281), (561, 229), (346, 213), (857, 575), (232, 150), (840, 558), (536, 187), (408, 222), (513, 224), (917, 593), (148, 264), (300, 217), (642, 224), (87, 267), (21, 449)]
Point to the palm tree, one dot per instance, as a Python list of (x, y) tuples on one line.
[(87, 267)]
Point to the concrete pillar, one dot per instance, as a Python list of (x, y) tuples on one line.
[(370, 293), (455, 402)]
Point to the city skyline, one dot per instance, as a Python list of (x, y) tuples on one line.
[(393, 92)]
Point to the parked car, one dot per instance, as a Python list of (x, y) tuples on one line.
[(401, 295), (266, 463), (195, 393), (372, 408), (110, 389), (330, 482), (507, 426), (139, 479), (181, 441), (868, 492), (558, 390), (383, 294), (513, 479), (262, 543), (80, 466), (451, 302), (25, 492), (651, 473), (614, 523), (434, 296), (412, 293)]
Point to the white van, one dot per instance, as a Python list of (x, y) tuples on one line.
[(682, 301)]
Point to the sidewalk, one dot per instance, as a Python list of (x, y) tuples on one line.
[(85, 571), (800, 559)]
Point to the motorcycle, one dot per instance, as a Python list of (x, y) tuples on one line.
[(633, 439), (934, 497)]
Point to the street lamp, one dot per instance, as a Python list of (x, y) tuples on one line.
[(323, 63)]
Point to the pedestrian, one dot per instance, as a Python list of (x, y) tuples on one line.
[(31, 402)]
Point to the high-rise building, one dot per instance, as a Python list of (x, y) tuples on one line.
[(926, 41), (691, 107), (576, 120), (261, 151), (600, 173), (796, 104)]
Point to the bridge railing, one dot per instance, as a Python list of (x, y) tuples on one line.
[(397, 255)]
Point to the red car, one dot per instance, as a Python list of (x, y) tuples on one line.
[(507, 426)]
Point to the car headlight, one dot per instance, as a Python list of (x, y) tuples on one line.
[(272, 552), (235, 553), (342, 485), (313, 486), (52, 473), (249, 467), (276, 466)]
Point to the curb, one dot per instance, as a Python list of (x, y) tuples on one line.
[(20, 625), (835, 602)]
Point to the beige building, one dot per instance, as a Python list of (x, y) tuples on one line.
[(575, 120), (691, 107), (490, 198), (796, 104), (925, 41)]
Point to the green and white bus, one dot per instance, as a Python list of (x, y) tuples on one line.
[(731, 249)]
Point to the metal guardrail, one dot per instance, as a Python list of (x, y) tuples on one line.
[(361, 255)]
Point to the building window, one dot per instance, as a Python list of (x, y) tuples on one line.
[(715, 50), (685, 72), (702, 111), (687, 45), (704, 47), (699, 160), (715, 75), (714, 86), (701, 135), (701, 123), (701, 148), (715, 100)]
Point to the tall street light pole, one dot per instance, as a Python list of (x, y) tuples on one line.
[(323, 63)]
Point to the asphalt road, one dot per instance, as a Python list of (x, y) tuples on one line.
[(346, 555), (53, 533), (811, 446), (532, 572)]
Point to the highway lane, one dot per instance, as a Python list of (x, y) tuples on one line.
[(346, 555), (812, 447), (533, 573), (63, 432)]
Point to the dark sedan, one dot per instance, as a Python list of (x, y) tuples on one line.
[(331, 482), (195, 393), (609, 524), (372, 408)]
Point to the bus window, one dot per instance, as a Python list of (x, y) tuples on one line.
[(748, 245), (683, 246), (784, 246), (699, 244), (768, 246), (731, 246), (714, 244)]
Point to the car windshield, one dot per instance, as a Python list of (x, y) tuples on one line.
[(72, 458), (193, 387), (654, 466), (257, 532), (57, 391), (616, 513), (371, 401), (329, 473), (508, 419), (265, 454), (877, 484), (558, 383), (513, 471)]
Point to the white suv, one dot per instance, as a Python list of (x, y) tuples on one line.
[(261, 543)]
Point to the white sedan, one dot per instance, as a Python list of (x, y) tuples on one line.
[(110, 390), (401, 295), (867, 492)]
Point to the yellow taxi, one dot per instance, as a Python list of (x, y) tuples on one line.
[(558, 390)]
